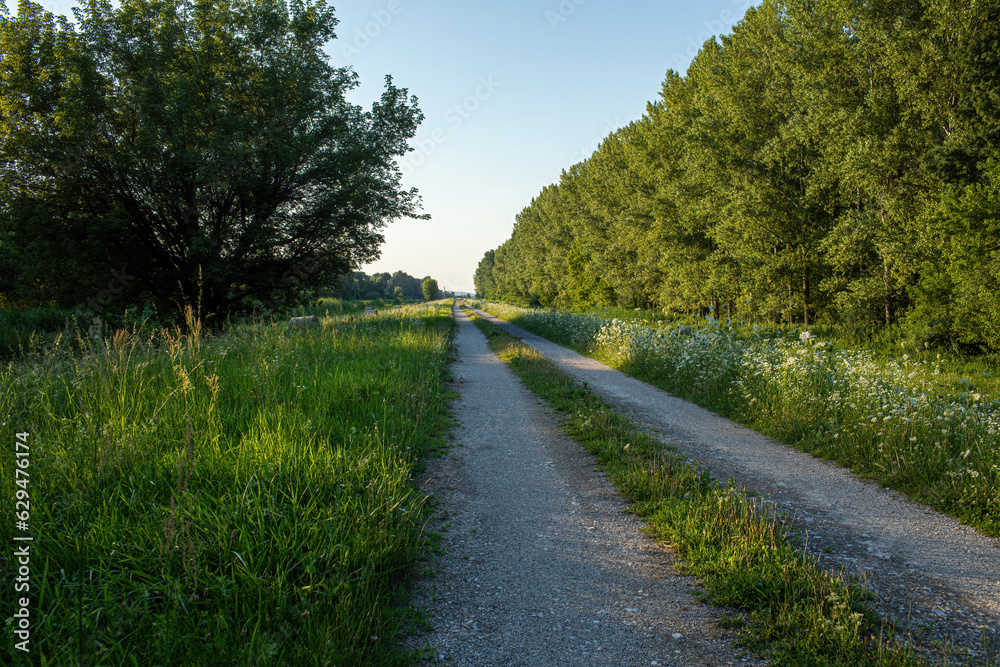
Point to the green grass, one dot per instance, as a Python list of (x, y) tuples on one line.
[(327, 307), (243, 498), (34, 331), (790, 611), (924, 425), (886, 344), (28, 331)]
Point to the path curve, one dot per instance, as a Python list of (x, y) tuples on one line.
[(937, 577), (542, 564)]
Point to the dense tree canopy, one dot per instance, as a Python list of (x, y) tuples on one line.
[(183, 151), (828, 161), (398, 285), (430, 289)]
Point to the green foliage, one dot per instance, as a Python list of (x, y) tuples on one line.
[(398, 285), (39, 331), (956, 300), (203, 149), (244, 497), (328, 307), (486, 287), (430, 289), (22, 331), (826, 162)]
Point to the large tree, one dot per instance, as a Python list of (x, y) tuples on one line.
[(184, 151), (430, 288)]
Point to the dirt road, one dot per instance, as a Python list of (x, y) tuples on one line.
[(938, 578), (542, 566)]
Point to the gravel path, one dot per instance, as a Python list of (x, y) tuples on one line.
[(542, 566), (939, 579)]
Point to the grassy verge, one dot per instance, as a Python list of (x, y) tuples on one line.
[(244, 498), (36, 331), (33, 330), (791, 611), (911, 423), (335, 307)]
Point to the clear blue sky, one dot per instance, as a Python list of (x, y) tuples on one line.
[(513, 92)]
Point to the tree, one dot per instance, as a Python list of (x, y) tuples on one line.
[(483, 278), (955, 299), (205, 149), (430, 287), (405, 286), (752, 146), (830, 159), (359, 285)]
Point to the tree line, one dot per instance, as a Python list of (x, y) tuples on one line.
[(399, 285), (829, 161)]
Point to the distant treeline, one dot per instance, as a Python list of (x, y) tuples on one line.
[(830, 161), (398, 285)]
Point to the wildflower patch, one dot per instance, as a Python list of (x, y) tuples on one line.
[(892, 421)]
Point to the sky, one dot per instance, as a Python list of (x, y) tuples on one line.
[(513, 93)]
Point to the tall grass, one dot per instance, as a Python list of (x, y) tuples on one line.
[(29, 330), (243, 498), (912, 421), (327, 307), (32, 331)]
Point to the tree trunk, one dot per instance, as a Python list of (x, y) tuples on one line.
[(888, 294), (805, 298), (791, 303), (886, 281)]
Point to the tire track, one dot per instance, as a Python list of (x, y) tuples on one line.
[(542, 564)]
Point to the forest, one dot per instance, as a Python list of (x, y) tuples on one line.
[(359, 285), (829, 162)]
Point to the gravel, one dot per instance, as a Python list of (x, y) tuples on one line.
[(937, 579), (542, 564)]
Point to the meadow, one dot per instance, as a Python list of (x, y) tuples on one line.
[(913, 420), (23, 331), (242, 497)]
